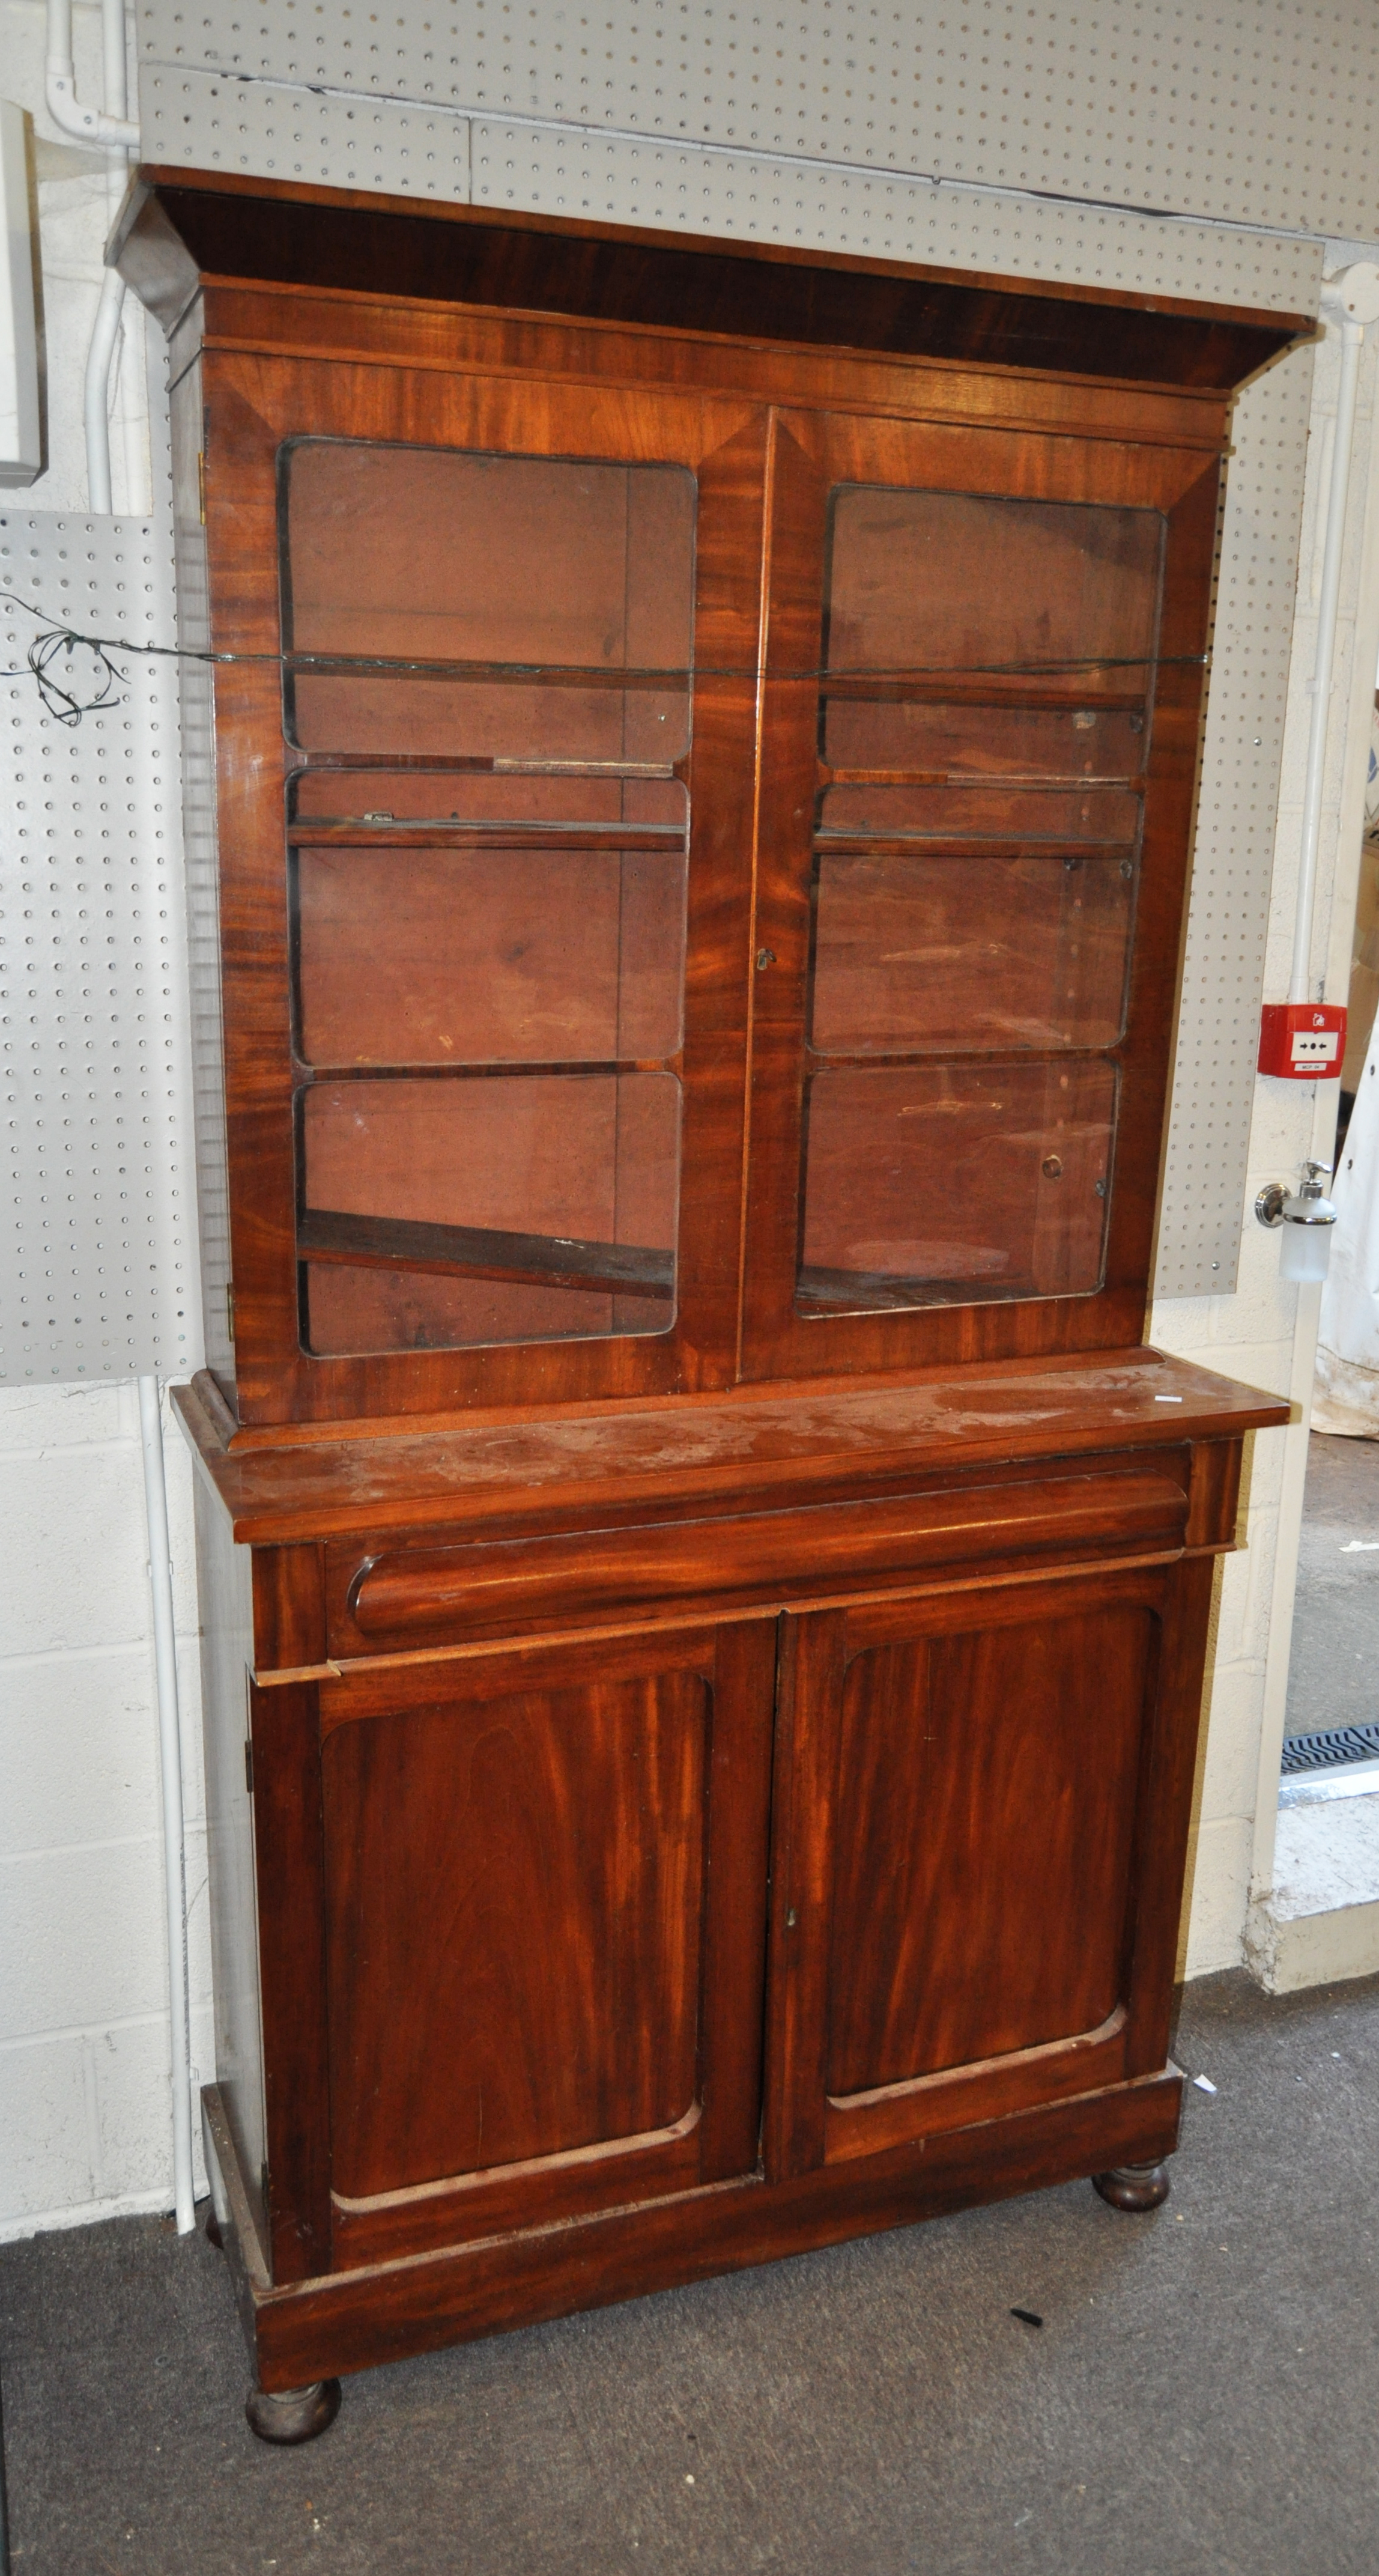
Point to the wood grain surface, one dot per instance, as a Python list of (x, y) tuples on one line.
[(722, 1596)]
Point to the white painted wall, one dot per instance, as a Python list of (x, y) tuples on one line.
[(74, 209), (85, 2114), (84, 2110), (1266, 1333)]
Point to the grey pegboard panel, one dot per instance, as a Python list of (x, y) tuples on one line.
[(1247, 111), (1228, 912), (98, 1267), (215, 122), (557, 170)]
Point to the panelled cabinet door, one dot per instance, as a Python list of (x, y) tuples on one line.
[(980, 707), (981, 1803), (544, 1897)]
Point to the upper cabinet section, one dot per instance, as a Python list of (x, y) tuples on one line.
[(704, 767)]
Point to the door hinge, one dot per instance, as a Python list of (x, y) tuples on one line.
[(230, 1308), (249, 1765), (201, 484)]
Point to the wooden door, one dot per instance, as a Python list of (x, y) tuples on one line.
[(544, 1891), (485, 721), (982, 690), (982, 1807)]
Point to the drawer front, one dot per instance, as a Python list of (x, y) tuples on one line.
[(399, 1597)]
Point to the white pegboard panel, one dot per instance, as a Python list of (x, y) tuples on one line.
[(1233, 858), (98, 1268), (276, 132), (555, 170), (1247, 111)]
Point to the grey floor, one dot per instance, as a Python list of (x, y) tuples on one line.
[(1200, 2395), (1334, 1672)]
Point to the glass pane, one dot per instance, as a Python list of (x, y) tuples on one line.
[(512, 1208), (916, 953), (984, 813), (984, 726), (411, 554), (950, 1184), (464, 956), (955, 582), (984, 741), (436, 795)]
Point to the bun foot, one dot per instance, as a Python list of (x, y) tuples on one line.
[(1135, 2187), (293, 2414)]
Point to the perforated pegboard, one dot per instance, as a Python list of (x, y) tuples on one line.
[(232, 91), (1233, 854), (556, 170), (278, 132), (1245, 111), (98, 1268)]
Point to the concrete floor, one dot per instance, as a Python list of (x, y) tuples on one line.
[(1334, 1675), (1199, 2397)]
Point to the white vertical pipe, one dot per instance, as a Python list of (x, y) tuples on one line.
[(1351, 300), (105, 336), (96, 393), (170, 1752)]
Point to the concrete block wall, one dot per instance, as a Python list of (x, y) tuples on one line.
[(85, 2107)]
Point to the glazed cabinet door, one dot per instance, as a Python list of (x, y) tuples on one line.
[(981, 701), (486, 736), (982, 1807), (542, 1881)]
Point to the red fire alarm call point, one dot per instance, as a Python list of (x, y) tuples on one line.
[(1303, 1041)]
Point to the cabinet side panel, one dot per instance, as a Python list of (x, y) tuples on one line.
[(202, 875), (223, 1573)]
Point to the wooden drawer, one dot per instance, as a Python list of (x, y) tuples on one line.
[(413, 1594)]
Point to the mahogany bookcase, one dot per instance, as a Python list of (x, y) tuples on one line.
[(705, 1592)]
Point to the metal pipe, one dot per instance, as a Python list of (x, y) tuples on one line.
[(111, 128), (1350, 300), (100, 358), (174, 1837)]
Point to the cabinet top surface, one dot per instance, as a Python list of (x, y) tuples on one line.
[(758, 1449)]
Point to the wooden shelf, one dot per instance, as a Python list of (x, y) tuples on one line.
[(485, 1252)]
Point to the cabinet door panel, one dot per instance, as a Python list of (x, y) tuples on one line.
[(985, 1824), (529, 1865), (544, 1935), (405, 1238), (981, 1817), (981, 698)]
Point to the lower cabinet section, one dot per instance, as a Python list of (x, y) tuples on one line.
[(553, 1931)]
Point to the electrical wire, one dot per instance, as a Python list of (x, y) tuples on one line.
[(61, 699)]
